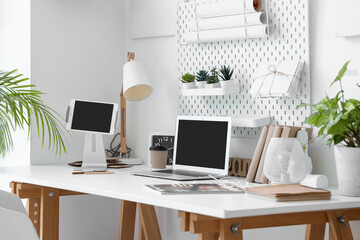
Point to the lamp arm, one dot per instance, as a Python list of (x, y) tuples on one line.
[(131, 56), (123, 124)]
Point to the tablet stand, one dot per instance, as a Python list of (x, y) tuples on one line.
[(94, 155)]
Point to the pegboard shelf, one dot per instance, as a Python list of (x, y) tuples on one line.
[(221, 91), (289, 42), (250, 122)]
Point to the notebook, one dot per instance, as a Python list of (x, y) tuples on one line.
[(201, 149), (290, 192)]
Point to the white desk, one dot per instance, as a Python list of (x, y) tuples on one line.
[(196, 210)]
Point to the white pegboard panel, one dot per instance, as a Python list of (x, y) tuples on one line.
[(289, 20)]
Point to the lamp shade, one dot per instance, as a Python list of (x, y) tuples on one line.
[(285, 161), (136, 84)]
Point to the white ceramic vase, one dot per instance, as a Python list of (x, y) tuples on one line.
[(227, 83), (348, 170), (188, 85), (212, 85), (200, 84)]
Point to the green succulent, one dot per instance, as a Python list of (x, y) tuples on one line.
[(187, 78), (226, 73), (202, 75), (214, 78)]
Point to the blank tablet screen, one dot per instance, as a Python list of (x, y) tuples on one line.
[(91, 116)]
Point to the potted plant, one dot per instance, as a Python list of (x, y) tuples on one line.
[(21, 104), (212, 81), (339, 119), (188, 81), (226, 74), (201, 77)]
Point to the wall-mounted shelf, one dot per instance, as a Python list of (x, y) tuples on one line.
[(250, 122), (290, 41), (211, 91)]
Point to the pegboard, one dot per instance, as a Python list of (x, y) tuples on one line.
[(289, 40)]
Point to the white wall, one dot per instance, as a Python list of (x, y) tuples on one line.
[(78, 52), (15, 54), (328, 54)]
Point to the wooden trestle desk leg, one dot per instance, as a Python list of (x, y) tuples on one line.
[(315, 231), (148, 222), (33, 203), (339, 225), (49, 219), (141, 228), (42, 207), (127, 220), (231, 229), (33, 207)]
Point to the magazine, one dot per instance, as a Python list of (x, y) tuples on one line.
[(196, 188)]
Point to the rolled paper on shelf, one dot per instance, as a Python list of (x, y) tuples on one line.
[(228, 7), (258, 31), (226, 34), (256, 18)]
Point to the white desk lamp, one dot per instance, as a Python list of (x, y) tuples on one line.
[(285, 161), (136, 86)]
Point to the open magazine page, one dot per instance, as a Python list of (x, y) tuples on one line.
[(197, 188)]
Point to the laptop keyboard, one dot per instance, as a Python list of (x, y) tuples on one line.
[(185, 173)]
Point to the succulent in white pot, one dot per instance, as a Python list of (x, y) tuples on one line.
[(339, 119), (201, 77), (187, 81), (226, 74), (212, 81)]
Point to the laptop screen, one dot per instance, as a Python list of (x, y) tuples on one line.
[(202, 143)]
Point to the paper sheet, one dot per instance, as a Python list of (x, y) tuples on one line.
[(227, 34), (257, 18), (278, 85), (226, 8)]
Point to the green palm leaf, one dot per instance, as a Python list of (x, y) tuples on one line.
[(18, 102)]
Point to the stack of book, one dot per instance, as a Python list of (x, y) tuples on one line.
[(290, 192), (255, 173)]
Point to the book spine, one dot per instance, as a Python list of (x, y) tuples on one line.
[(257, 155), (261, 163)]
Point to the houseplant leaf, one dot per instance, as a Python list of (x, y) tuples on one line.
[(18, 102)]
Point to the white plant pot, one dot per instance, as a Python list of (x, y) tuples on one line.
[(200, 84), (348, 170), (227, 83), (212, 85), (188, 85)]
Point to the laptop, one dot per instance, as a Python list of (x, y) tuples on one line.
[(201, 149)]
